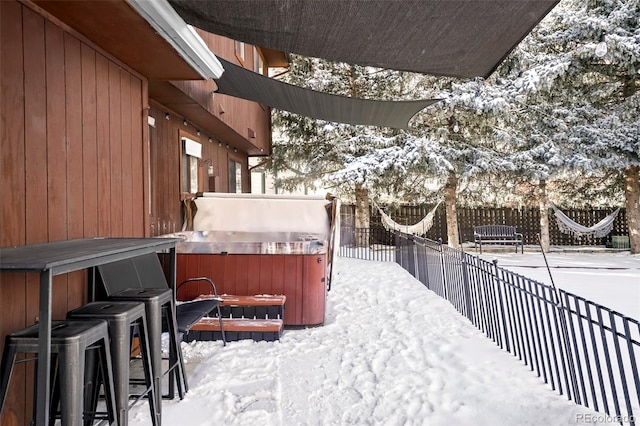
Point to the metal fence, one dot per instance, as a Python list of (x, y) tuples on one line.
[(581, 349), (367, 244)]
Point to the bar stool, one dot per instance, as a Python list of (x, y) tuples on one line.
[(160, 314), (122, 317), (133, 280), (72, 342)]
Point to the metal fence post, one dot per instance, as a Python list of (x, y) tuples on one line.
[(466, 284), (444, 272), (502, 316)]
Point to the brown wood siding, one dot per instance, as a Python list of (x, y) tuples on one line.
[(89, 141), (103, 145), (165, 158), (314, 290), (239, 114), (13, 289), (71, 162)]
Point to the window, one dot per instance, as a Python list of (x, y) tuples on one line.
[(235, 176), (240, 51), (258, 182), (191, 152), (258, 62)]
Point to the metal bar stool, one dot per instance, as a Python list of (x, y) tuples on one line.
[(123, 318), (72, 341), (142, 279), (158, 305), (122, 281)]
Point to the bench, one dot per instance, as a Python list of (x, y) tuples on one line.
[(497, 234)]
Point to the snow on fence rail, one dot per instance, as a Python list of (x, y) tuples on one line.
[(581, 349)]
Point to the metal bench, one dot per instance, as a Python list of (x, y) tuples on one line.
[(497, 234)]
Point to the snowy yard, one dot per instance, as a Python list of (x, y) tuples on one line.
[(610, 279), (390, 353)]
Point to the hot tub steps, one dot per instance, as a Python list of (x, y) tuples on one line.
[(258, 306), (236, 329), (257, 317)]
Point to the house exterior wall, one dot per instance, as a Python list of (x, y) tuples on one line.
[(214, 112), (166, 207), (242, 114), (79, 159), (71, 162)]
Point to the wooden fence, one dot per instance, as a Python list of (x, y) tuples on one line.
[(526, 220)]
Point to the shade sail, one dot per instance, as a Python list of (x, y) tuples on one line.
[(242, 83), (458, 38)]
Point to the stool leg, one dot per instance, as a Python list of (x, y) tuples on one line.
[(6, 367), (71, 385), (177, 374), (120, 356), (153, 314), (148, 373), (91, 386), (54, 406), (107, 380)]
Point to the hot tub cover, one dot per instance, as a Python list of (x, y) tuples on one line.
[(237, 242)]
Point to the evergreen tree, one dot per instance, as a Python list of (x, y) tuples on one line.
[(583, 109)]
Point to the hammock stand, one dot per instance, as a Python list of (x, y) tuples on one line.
[(419, 228), (599, 230)]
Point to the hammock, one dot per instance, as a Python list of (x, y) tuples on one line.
[(419, 228), (599, 230)]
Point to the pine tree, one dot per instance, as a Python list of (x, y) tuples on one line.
[(583, 109)]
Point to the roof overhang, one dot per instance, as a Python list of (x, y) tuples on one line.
[(147, 36), (169, 95), (275, 58), (458, 38), (181, 36)]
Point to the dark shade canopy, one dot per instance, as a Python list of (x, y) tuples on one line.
[(242, 83), (458, 38)]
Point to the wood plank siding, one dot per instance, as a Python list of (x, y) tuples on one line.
[(79, 157), (71, 161), (165, 150)]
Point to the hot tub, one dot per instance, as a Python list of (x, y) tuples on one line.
[(286, 248)]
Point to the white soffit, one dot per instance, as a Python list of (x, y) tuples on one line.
[(164, 19)]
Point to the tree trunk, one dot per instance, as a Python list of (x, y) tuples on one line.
[(453, 239), (544, 215), (362, 216), (632, 195)]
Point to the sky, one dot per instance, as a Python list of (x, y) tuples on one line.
[(390, 352)]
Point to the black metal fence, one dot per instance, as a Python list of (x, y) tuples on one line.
[(582, 349), (367, 244)]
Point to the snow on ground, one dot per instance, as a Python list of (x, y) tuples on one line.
[(610, 279), (390, 353)]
